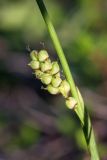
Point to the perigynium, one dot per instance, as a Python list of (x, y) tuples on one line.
[(49, 74)]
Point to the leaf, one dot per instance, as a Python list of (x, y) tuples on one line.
[(80, 98)]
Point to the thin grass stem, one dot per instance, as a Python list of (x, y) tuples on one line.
[(80, 110)]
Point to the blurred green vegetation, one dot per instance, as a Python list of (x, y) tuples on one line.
[(82, 29), (27, 136), (23, 136)]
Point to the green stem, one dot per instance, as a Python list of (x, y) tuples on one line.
[(80, 110)]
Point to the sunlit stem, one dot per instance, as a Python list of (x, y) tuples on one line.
[(80, 109)]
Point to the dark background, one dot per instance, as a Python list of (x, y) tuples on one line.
[(36, 125)]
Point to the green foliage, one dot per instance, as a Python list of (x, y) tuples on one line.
[(67, 125), (21, 16), (80, 110), (80, 139), (82, 30), (27, 136)]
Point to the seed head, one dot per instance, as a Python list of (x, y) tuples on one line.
[(52, 89), (33, 55), (49, 74), (46, 78), (57, 74), (43, 55), (56, 81), (38, 74), (64, 88), (46, 66), (55, 68), (71, 102), (34, 64)]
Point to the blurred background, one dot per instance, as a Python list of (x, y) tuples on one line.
[(33, 124)]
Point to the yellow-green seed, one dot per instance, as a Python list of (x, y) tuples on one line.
[(71, 102), (55, 68), (57, 75), (64, 88), (33, 55), (38, 74), (46, 66), (43, 55), (46, 78), (34, 64), (52, 89), (56, 81)]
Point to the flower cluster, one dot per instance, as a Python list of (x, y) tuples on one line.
[(49, 74)]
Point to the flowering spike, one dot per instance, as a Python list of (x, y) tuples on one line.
[(46, 66), (33, 55), (49, 74), (71, 102), (55, 68), (57, 74), (64, 88), (34, 64), (43, 55), (56, 81), (38, 74), (52, 89), (46, 78)]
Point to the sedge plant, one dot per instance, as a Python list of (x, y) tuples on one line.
[(49, 74)]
